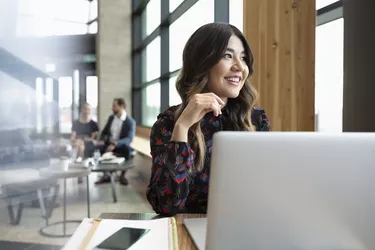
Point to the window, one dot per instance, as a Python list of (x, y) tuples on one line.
[(93, 10), (151, 15), (173, 4), (199, 14), (93, 28), (75, 95), (92, 95), (39, 104), (151, 104), (52, 17), (65, 104), (236, 13), (329, 76), (151, 60), (174, 97), (323, 3), (49, 106)]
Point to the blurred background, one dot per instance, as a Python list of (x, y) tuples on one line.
[(56, 55)]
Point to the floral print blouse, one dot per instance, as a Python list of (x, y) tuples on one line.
[(173, 188)]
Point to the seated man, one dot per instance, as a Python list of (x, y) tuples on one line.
[(117, 136)]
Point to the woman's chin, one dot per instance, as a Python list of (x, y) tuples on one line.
[(233, 94)]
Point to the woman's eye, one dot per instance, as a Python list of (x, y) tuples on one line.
[(227, 56), (243, 58)]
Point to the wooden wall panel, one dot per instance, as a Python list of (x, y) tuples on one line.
[(281, 34)]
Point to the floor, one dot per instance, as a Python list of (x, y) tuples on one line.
[(26, 235)]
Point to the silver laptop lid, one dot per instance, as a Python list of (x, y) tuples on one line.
[(292, 191)]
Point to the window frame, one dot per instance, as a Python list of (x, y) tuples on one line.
[(324, 15), (139, 44)]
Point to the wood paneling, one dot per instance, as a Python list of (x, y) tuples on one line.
[(281, 34)]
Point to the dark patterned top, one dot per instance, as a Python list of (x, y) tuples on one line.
[(173, 188)]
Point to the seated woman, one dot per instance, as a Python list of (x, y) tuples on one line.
[(84, 132), (216, 95)]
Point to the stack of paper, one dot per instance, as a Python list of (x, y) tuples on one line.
[(117, 160), (158, 238)]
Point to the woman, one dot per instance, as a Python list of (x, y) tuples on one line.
[(216, 95), (84, 132)]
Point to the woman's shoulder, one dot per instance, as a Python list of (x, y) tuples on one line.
[(260, 119), (167, 117), (164, 124)]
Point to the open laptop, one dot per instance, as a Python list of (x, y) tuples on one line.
[(290, 190)]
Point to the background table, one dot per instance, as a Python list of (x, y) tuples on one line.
[(112, 169), (57, 173), (185, 242)]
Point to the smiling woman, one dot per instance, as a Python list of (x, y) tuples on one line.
[(216, 95)]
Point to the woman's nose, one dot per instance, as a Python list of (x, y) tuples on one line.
[(238, 65)]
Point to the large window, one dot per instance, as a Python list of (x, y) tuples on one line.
[(152, 16), (65, 104), (174, 97), (173, 4), (151, 59), (236, 13), (157, 52), (55, 17), (329, 76), (199, 14), (323, 3), (92, 95), (151, 104)]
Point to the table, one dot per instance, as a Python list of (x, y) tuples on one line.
[(21, 184), (185, 242), (112, 169), (57, 173)]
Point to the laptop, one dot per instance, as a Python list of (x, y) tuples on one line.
[(290, 190)]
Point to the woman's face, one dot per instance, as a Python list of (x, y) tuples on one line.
[(228, 76)]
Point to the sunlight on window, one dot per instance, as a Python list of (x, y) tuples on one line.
[(150, 104), (152, 16), (93, 10), (65, 103), (173, 4), (92, 95), (323, 3), (93, 28), (236, 13), (151, 60), (39, 91), (329, 76), (52, 17), (174, 97), (199, 14)]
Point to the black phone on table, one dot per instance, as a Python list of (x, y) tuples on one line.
[(122, 239)]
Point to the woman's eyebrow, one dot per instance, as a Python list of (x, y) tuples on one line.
[(232, 50)]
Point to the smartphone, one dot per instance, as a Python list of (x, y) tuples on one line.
[(123, 239)]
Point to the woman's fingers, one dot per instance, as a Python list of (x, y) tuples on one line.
[(218, 99)]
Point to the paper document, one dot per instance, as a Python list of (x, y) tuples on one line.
[(157, 238), (117, 160)]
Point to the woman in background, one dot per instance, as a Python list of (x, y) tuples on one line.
[(216, 95), (84, 132)]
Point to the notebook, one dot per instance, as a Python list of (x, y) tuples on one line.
[(91, 232)]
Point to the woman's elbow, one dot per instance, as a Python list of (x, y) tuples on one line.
[(162, 207)]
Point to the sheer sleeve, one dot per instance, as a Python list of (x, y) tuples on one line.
[(170, 180)]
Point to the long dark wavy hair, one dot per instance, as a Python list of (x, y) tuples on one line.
[(204, 49)]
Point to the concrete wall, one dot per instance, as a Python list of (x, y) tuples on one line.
[(113, 55)]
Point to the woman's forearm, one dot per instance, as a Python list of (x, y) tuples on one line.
[(180, 133)]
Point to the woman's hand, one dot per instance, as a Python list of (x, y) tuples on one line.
[(198, 106)]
